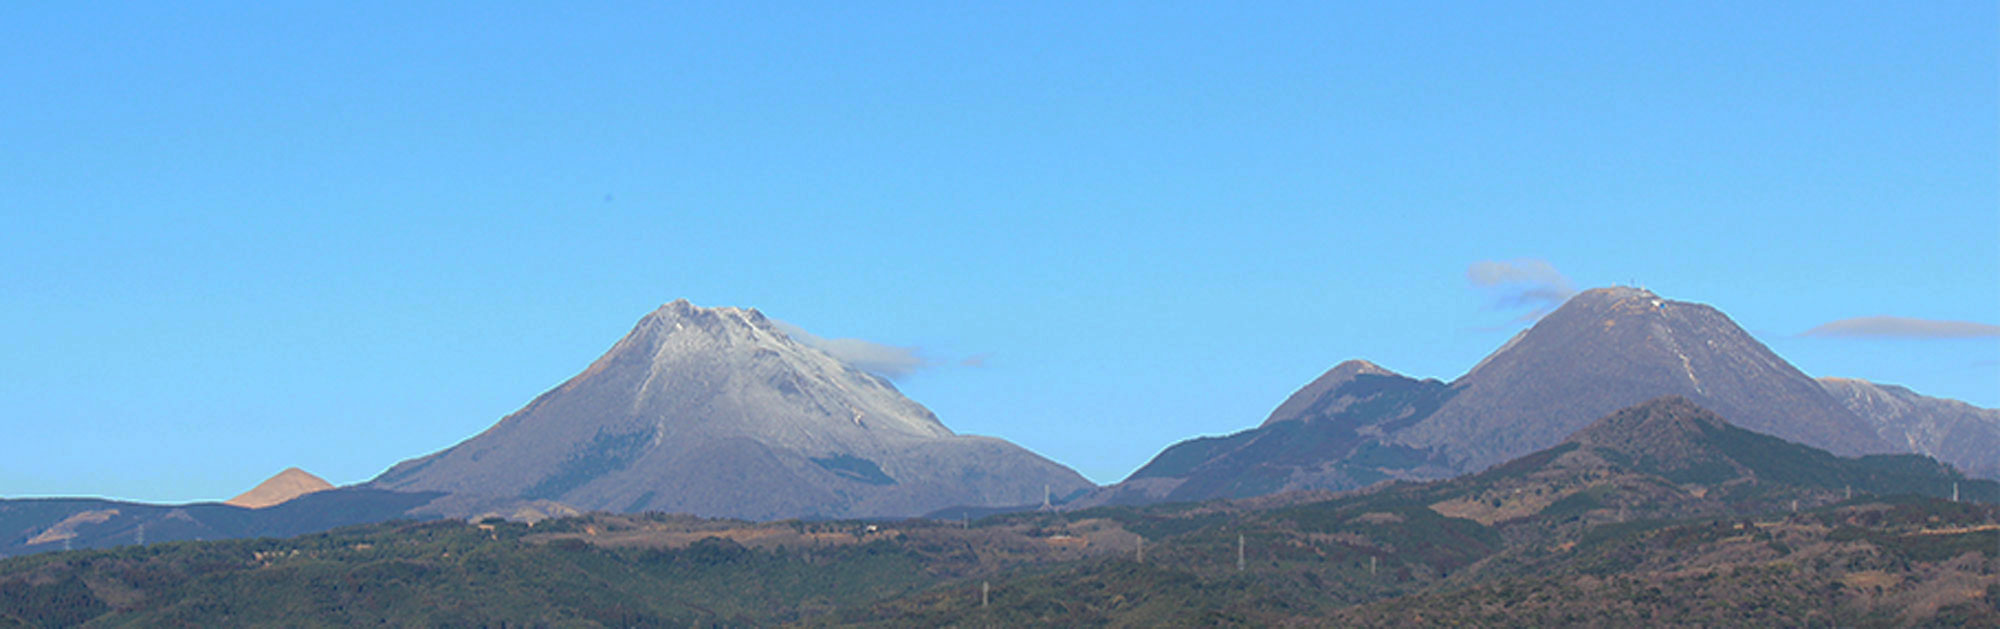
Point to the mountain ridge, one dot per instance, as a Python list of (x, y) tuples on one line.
[(1603, 350), (1953, 431)]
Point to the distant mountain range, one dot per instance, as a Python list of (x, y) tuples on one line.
[(33, 525), (1660, 514), (717, 412), (1604, 349)]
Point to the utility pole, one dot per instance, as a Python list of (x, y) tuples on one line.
[(1371, 565), (1239, 552), (1954, 491), (984, 589), (1142, 549)]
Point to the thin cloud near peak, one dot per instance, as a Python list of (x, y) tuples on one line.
[(1903, 327), (888, 361), (1521, 282)]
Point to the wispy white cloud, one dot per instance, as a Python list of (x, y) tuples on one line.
[(1521, 282), (1903, 327), (888, 361)]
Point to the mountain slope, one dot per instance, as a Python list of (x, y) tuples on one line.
[(35, 525), (1952, 431), (1657, 515), (1610, 348), (1670, 458), (1749, 528), (1603, 350), (1326, 436), (714, 411)]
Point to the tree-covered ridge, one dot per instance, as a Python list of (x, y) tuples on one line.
[(450, 573), (1381, 558)]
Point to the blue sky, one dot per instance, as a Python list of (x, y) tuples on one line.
[(338, 235)]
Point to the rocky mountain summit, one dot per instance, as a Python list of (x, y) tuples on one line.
[(717, 412)]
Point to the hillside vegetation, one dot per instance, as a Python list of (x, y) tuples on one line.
[(1660, 514)]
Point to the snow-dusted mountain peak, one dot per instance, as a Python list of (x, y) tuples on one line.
[(716, 411)]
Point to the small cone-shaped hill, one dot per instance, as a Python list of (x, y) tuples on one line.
[(289, 484), (1670, 458)]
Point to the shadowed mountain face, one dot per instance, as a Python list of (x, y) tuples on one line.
[(715, 412), (1326, 436), (1669, 458), (1605, 349), (1673, 438), (1951, 431)]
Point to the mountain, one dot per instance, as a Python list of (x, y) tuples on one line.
[(1961, 434), (1609, 348), (35, 525), (1328, 435), (1603, 350), (717, 412), (38, 525), (286, 485), (1661, 514), (1669, 458)]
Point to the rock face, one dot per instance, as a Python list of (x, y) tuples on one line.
[(1603, 350), (715, 412), (1961, 434), (289, 484)]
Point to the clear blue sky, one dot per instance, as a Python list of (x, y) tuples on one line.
[(241, 237)]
